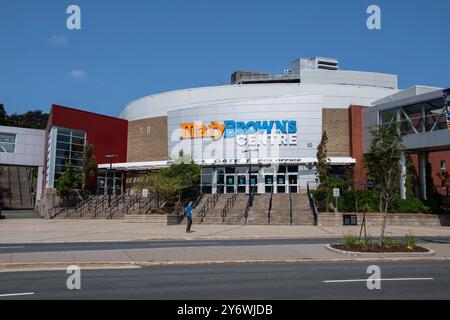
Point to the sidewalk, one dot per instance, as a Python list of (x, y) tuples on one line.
[(298, 253), (42, 231)]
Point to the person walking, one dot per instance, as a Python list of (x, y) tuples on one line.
[(189, 217)]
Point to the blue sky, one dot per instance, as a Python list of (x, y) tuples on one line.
[(129, 49)]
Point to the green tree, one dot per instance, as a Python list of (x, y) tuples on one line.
[(90, 169), (68, 182), (383, 166), (176, 183), (322, 170), (34, 119)]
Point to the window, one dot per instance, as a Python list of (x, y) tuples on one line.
[(7, 142), (149, 129), (141, 130), (69, 149), (443, 165)]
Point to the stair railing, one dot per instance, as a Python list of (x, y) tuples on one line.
[(290, 208), (270, 205), (228, 205), (312, 203)]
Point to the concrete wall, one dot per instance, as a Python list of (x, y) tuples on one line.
[(332, 219)]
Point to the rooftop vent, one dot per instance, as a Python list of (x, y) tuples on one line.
[(316, 63)]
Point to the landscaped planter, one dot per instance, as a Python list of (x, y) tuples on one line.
[(153, 218), (416, 251)]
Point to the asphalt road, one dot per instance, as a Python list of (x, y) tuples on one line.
[(86, 246), (412, 280)]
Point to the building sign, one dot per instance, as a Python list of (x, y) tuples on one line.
[(273, 132), (447, 106)]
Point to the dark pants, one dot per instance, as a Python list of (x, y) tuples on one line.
[(188, 223)]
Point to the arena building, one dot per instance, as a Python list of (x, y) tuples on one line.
[(257, 135)]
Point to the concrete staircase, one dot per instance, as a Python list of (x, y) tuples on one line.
[(18, 180), (213, 214), (281, 207), (97, 207), (279, 212), (302, 214), (236, 214), (259, 213)]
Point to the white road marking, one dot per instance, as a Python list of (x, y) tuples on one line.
[(385, 279), (16, 294), (15, 247)]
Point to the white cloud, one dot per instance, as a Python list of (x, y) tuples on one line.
[(78, 74), (58, 40)]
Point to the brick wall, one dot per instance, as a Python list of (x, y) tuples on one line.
[(147, 140), (336, 123)]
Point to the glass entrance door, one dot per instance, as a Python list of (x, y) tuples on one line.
[(281, 183), (241, 183), (230, 183), (268, 183)]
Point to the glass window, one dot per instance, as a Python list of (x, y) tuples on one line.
[(241, 180), (220, 179), (293, 169), (443, 165), (292, 179), (78, 133), (62, 146), (63, 138), (281, 179), (230, 169), (7, 142), (281, 169), (268, 179), (77, 140), (230, 180)]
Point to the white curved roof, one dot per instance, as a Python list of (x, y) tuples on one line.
[(334, 96)]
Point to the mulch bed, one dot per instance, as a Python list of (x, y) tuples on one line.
[(378, 249)]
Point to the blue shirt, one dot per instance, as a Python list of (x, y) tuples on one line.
[(189, 210)]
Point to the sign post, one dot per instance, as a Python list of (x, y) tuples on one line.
[(336, 194)]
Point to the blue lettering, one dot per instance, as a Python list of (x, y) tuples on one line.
[(240, 127), (281, 126), (251, 127), (292, 126), (229, 130), (265, 126)]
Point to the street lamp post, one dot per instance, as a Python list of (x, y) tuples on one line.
[(110, 157), (250, 174)]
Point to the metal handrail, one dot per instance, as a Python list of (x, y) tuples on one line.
[(312, 203), (228, 205), (290, 208), (270, 205)]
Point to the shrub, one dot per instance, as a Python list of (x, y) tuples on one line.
[(367, 242), (350, 240), (410, 205), (410, 241), (389, 243)]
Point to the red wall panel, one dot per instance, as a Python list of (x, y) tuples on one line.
[(107, 134)]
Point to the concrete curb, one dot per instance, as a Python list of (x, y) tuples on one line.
[(386, 254), (45, 266)]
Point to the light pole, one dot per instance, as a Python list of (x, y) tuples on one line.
[(109, 185), (250, 174)]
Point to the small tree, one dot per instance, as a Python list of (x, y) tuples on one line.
[(383, 166), (445, 178), (90, 169), (68, 182), (322, 170)]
